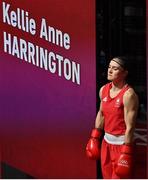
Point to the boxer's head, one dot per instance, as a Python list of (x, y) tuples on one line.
[(118, 69)]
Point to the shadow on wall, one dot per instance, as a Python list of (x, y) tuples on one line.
[(9, 172)]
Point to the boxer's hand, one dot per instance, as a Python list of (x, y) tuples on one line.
[(93, 148), (124, 164)]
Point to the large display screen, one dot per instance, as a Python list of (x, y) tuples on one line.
[(47, 86)]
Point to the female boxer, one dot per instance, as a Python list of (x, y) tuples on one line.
[(116, 116)]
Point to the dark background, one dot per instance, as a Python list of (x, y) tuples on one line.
[(120, 30)]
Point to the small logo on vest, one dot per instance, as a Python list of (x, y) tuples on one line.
[(117, 103)]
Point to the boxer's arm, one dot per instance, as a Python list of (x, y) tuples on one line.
[(99, 122), (125, 162), (130, 101), (93, 148)]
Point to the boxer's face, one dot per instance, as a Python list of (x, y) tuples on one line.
[(116, 72)]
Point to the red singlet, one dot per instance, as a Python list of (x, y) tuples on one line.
[(113, 110)]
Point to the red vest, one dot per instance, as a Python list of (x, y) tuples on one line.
[(113, 111)]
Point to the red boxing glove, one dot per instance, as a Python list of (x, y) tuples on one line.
[(124, 165), (93, 148)]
